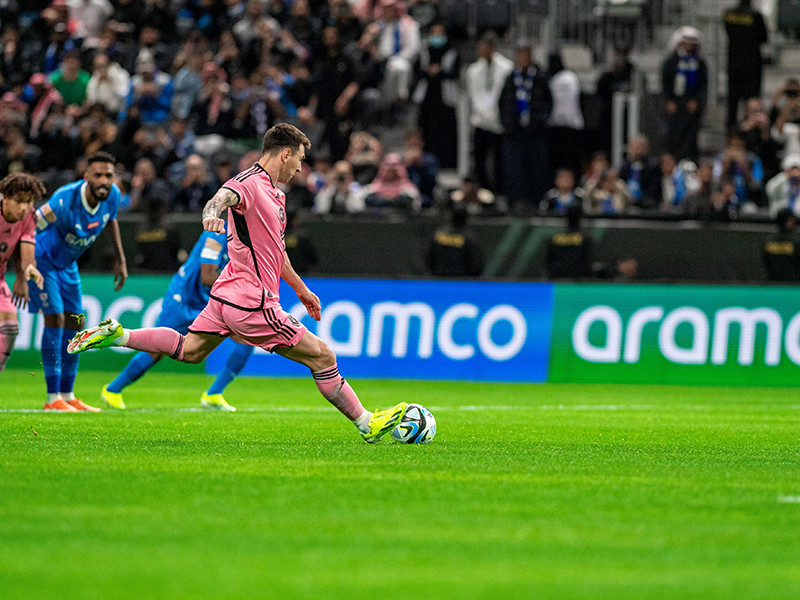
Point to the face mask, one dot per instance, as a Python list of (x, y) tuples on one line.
[(437, 41)]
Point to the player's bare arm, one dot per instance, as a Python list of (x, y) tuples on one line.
[(305, 295), (210, 271), (25, 259), (120, 265), (222, 200)]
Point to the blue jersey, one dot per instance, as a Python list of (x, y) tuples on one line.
[(67, 225), (186, 286)]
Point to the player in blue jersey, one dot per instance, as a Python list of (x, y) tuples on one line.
[(186, 296), (66, 226)]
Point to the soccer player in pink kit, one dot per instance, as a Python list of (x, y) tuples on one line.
[(18, 194), (244, 299)]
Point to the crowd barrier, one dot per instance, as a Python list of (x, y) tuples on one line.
[(368, 246)]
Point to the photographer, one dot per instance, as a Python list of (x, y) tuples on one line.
[(743, 168), (783, 190), (757, 129), (342, 194), (786, 116)]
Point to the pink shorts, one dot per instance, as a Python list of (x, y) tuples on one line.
[(268, 328), (6, 302)]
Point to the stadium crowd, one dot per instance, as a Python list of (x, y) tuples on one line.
[(182, 91)]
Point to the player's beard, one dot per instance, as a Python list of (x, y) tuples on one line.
[(99, 192)]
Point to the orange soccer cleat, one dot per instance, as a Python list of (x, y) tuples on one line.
[(80, 405), (59, 406)]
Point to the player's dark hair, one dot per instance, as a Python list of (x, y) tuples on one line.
[(22, 183), (100, 157), (283, 136)]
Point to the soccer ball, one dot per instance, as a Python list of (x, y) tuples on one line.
[(418, 426)]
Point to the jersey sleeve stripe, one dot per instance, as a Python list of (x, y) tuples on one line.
[(245, 174)]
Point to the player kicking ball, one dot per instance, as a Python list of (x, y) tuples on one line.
[(18, 194), (186, 296), (244, 301)]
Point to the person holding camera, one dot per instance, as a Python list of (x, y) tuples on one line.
[(742, 167), (786, 116), (783, 190), (342, 194)]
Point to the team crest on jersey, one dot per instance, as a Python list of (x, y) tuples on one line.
[(294, 321), (282, 214), (3, 247)]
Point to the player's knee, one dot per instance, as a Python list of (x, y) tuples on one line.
[(325, 354), (56, 321), (73, 321)]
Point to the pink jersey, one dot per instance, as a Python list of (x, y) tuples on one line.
[(13, 233), (255, 242)]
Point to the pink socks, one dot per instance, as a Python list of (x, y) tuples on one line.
[(8, 333), (157, 339), (338, 392)]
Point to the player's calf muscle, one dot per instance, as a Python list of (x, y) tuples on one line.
[(197, 348)]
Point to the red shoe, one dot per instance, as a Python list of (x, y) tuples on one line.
[(59, 406), (80, 405)]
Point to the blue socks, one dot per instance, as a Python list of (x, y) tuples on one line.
[(51, 358), (233, 366), (69, 364), (138, 366)]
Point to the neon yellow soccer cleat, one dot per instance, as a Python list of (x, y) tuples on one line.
[(113, 399), (383, 421), (96, 337), (216, 402)]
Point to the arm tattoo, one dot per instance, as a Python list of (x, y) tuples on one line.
[(223, 199)]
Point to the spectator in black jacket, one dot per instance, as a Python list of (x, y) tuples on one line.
[(198, 186), (746, 32), (525, 105), (569, 253), (453, 251), (781, 252), (642, 173), (684, 83)]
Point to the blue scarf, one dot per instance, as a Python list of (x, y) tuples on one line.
[(679, 185), (689, 69), (635, 182), (524, 86), (794, 193)]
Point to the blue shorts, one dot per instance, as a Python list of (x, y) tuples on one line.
[(176, 315), (61, 293)]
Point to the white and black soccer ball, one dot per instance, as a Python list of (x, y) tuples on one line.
[(418, 426)]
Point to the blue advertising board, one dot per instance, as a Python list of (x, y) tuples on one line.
[(423, 330)]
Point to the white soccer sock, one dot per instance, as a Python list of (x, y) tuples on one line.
[(52, 397), (123, 339), (67, 396), (362, 422)]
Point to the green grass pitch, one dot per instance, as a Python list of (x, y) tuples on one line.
[(528, 491)]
